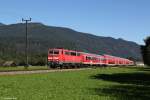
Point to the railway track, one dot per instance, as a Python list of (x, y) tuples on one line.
[(39, 71)]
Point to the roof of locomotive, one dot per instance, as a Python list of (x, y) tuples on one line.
[(63, 49)]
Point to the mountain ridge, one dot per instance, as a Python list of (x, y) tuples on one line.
[(1, 24), (41, 37)]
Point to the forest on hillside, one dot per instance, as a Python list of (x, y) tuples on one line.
[(41, 37)]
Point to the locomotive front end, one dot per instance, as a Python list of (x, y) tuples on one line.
[(54, 57)]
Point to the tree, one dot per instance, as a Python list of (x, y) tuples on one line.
[(146, 51)]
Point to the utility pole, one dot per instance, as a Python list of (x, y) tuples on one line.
[(26, 49)]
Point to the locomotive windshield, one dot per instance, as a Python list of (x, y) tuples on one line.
[(53, 52)]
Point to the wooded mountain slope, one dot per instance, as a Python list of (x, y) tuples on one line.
[(41, 37)]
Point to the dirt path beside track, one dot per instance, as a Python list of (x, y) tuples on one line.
[(39, 71)]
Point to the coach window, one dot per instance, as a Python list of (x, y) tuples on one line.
[(78, 54), (73, 54), (88, 58), (100, 59), (103, 59), (67, 53), (93, 58)]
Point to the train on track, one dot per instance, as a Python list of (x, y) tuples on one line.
[(63, 58)]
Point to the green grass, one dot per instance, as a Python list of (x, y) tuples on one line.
[(22, 68), (90, 84)]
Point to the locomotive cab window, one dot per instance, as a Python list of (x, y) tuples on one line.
[(51, 52), (56, 52)]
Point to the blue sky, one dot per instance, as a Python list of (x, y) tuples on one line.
[(127, 19)]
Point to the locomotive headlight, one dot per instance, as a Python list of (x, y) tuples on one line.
[(49, 57), (55, 57)]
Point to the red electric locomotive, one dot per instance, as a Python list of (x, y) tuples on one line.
[(59, 57)]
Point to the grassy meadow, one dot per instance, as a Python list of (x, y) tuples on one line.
[(22, 68), (88, 84)]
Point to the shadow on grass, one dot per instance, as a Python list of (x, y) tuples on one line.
[(144, 69), (126, 78), (124, 92), (132, 86)]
